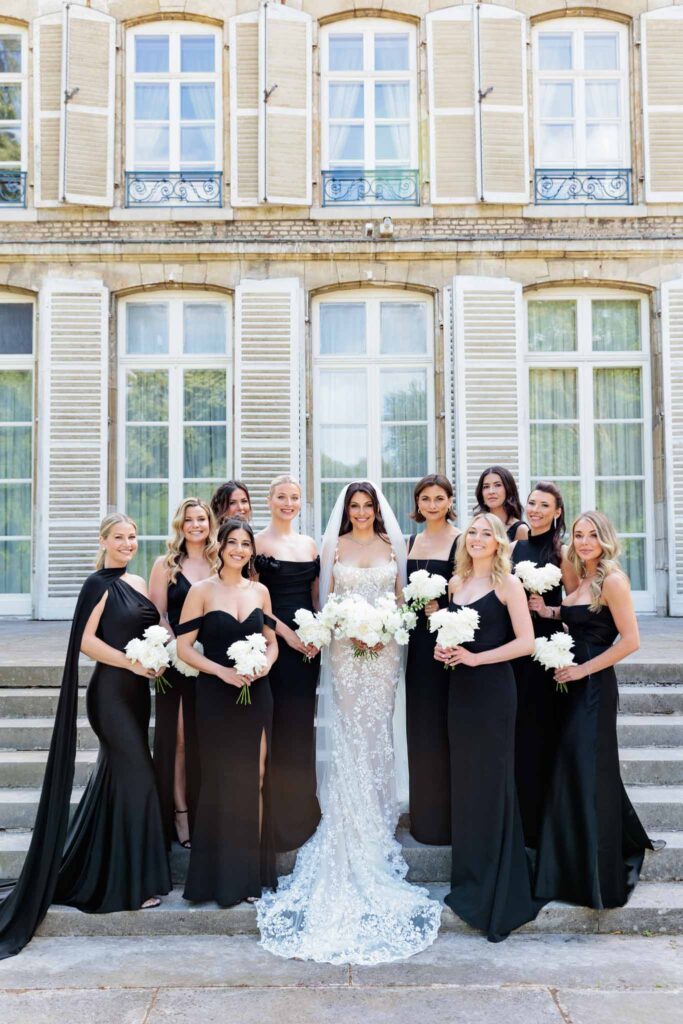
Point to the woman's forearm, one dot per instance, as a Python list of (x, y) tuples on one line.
[(104, 653)]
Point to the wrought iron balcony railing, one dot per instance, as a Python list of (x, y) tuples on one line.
[(12, 188), (348, 187), (174, 188), (583, 185)]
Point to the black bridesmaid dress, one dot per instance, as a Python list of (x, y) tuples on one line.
[(538, 703), (167, 706), (228, 861), (295, 809), (427, 721), (512, 530), (491, 877), (115, 855), (592, 843)]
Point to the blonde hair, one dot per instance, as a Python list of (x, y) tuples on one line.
[(284, 478), (176, 545), (106, 526), (500, 566), (609, 559)]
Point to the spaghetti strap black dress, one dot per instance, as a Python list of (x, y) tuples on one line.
[(427, 721), (592, 843), (491, 877), (166, 708), (295, 809), (228, 859)]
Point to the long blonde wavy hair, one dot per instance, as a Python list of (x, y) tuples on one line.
[(609, 559), (176, 546), (501, 565), (106, 526)]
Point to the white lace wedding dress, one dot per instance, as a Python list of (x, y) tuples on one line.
[(347, 900)]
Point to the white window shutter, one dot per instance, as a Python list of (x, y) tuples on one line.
[(73, 435), (672, 378), (244, 109), (449, 386), (661, 56), (48, 92), (487, 329), (453, 129), (268, 375), (504, 121)]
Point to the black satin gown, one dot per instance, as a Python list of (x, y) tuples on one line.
[(592, 843), (295, 809), (115, 855), (513, 529), (228, 861), (166, 709), (427, 721), (538, 703), (491, 876)]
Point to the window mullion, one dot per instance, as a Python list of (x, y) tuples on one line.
[(176, 421)]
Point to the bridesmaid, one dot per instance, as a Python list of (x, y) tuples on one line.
[(496, 492), (426, 687), (592, 844), (232, 854), (231, 501), (190, 558), (537, 701), (288, 564), (490, 874)]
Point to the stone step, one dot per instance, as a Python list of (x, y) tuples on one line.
[(651, 766), (644, 699), (650, 730), (35, 733), (26, 768), (33, 701), (654, 908), (658, 807)]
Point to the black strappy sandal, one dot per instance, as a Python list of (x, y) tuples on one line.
[(185, 843)]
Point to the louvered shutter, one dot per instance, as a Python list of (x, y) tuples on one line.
[(487, 319), (268, 371), (662, 60), (87, 168), (287, 111), (244, 109), (453, 139), (504, 130), (672, 377), (73, 439), (48, 88)]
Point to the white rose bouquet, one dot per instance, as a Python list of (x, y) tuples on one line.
[(249, 656), (454, 628), (538, 579), (554, 652), (354, 618), (178, 664), (311, 629), (422, 588), (151, 651)]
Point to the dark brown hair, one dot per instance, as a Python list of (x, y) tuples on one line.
[(513, 505), (220, 499), (559, 526), (365, 487), (432, 480), (227, 527)]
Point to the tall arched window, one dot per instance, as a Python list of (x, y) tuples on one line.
[(13, 116)]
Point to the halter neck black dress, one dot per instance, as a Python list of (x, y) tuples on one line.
[(166, 708), (293, 680), (427, 720), (538, 702), (228, 860), (491, 879), (592, 843)]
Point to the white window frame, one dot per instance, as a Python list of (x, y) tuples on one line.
[(578, 28), (22, 604), (20, 79), (585, 360), (372, 362), (368, 28), (175, 78), (175, 362)]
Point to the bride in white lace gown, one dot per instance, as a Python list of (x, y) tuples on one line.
[(347, 900)]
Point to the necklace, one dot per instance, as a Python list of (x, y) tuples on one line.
[(360, 543)]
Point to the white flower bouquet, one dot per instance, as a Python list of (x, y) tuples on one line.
[(422, 588), (454, 628), (249, 657), (538, 579), (178, 664), (151, 651), (554, 652), (354, 618), (311, 629)]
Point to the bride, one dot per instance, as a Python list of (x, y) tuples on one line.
[(347, 900)]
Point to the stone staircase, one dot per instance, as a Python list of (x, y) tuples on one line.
[(651, 741)]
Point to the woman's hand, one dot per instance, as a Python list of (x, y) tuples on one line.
[(431, 607), (293, 641), (538, 605), (229, 676), (360, 646), (456, 656), (146, 673), (570, 674)]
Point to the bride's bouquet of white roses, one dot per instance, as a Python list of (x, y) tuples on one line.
[(538, 579), (422, 588), (353, 618), (152, 653), (554, 652), (311, 629), (454, 628), (249, 657)]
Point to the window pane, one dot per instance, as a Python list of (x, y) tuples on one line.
[(10, 55), (392, 142), (557, 144), (10, 103), (204, 395), (601, 52), (147, 504), (343, 397), (571, 495), (151, 144), (10, 145), (403, 328), (554, 450), (16, 328), (343, 452), (399, 494), (346, 53), (205, 451), (602, 144), (329, 492), (633, 561), (555, 51), (197, 53), (346, 142), (391, 52), (552, 395), (342, 328), (151, 102), (147, 396), (202, 489), (392, 99), (552, 326), (617, 394), (404, 450), (147, 328), (15, 566), (404, 395), (147, 552), (204, 328), (618, 449), (16, 396), (622, 501), (616, 325), (151, 53), (146, 452), (15, 510), (197, 144), (197, 102), (346, 99), (602, 99), (557, 99), (15, 452)]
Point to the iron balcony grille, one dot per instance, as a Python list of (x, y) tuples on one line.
[(13, 188), (349, 187), (174, 188), (583, 185)]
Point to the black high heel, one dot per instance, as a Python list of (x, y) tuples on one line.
[(186, 844)]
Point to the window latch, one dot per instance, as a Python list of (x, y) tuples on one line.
[(267, 93), (484, 93), (70, 93)]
